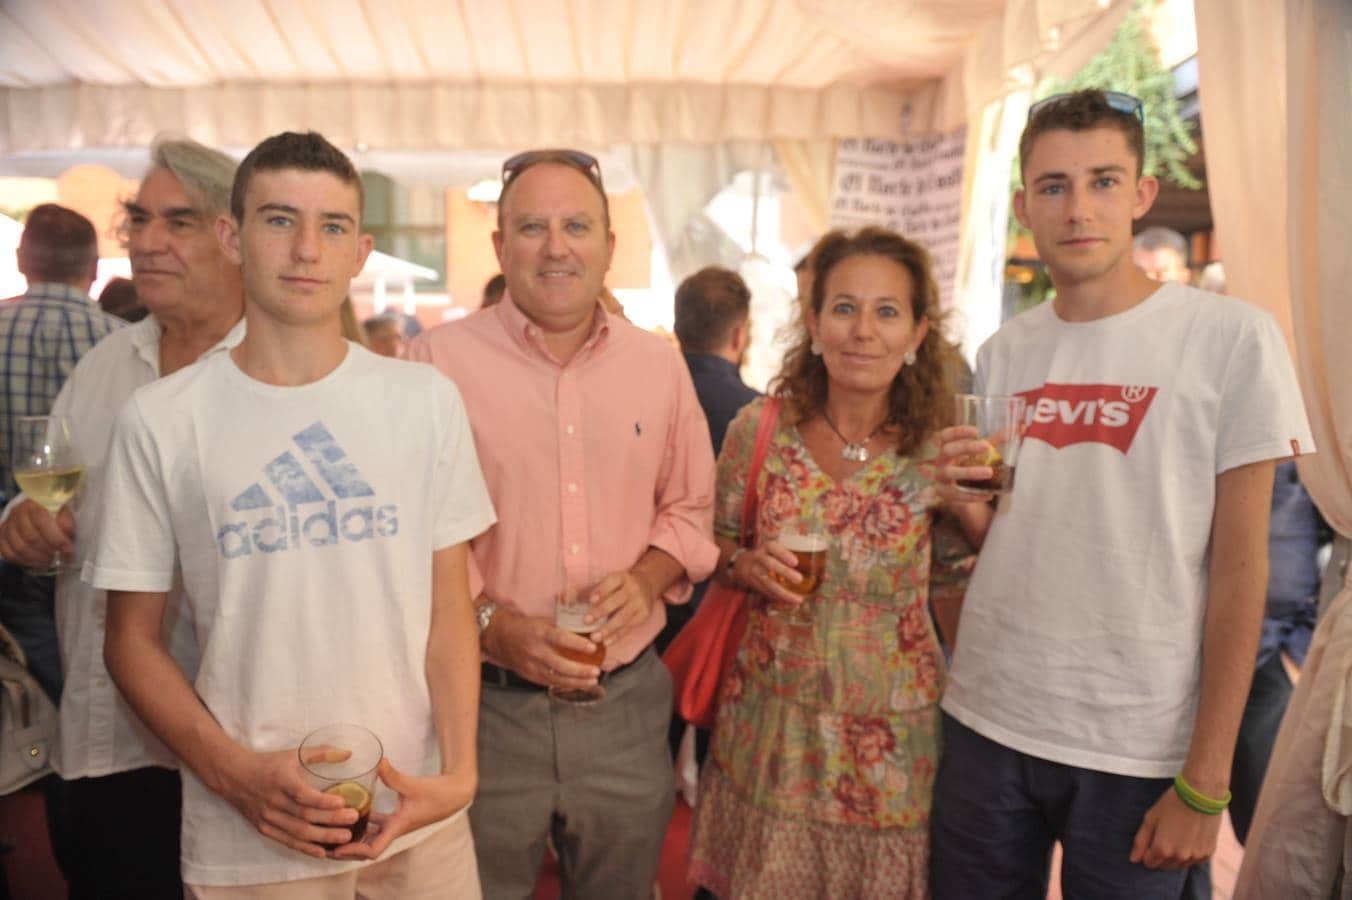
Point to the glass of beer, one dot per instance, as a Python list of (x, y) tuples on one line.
[(570, 611), (341, 759), (47, 467), (809, 547), (998, 420)]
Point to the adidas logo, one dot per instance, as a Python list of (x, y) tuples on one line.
[(287, 527)]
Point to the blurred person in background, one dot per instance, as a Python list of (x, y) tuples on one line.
[(713, 327), (118, 298), (493, 291), (1162, 254), (383, 335), (43, 335)]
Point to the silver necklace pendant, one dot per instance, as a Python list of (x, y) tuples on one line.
[(854, 453)]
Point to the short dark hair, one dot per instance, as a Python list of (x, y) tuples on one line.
[(493, 291), (57, 244), (380, 322), (571, 159), (118, 298), (309, 152), (709, 305), (1083, 111)]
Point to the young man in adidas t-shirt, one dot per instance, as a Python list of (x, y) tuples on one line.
[(318, 500), (1108, 634)]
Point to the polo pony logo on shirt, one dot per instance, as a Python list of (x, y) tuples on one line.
[(1065, 414), (288, 527)]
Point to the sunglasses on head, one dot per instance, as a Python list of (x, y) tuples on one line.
[(583, 162), (1124, 103)]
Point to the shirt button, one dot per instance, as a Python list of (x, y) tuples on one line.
[(572, 488), (568, 429), (575, 549)]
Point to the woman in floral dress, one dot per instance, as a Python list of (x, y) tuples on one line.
[(819, 780)]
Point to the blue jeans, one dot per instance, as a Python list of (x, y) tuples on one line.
[(28, 612), (998, 812)]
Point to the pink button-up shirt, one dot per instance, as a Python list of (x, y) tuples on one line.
[(589, 463)]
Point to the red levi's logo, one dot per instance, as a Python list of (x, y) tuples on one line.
[(1065, 414)]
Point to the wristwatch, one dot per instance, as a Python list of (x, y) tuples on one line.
[(732, 561), (483, 614)]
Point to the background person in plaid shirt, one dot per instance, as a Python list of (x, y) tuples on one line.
[(43, 334)]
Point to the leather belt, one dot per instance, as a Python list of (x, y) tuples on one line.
[(503, 677)]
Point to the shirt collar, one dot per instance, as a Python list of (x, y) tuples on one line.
[(708, 362), (530, 336), (54, 290), (146, 334)]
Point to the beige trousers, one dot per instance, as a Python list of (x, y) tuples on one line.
[(440, 868)]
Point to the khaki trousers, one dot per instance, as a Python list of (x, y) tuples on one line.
[(442, 867), (598, 779)]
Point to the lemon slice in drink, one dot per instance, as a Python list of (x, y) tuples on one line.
[(353, 794), (990, 457)]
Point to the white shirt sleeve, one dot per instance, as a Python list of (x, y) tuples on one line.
[(463, 508), (135, 549), (1262, 415)]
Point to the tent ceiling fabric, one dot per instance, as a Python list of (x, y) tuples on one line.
[(425, 74)]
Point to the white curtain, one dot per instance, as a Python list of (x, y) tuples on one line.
[(1276, 89)]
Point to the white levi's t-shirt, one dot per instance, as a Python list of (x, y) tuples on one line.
[(1082, 625), (304, 520)]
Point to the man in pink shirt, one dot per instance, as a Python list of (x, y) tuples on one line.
[(598, 461)]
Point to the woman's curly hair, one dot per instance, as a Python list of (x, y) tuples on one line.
[(920, 402)]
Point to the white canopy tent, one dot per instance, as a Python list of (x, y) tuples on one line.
[(424, 75), (677, 95)]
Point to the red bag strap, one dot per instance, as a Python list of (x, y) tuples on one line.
[(765, 429)]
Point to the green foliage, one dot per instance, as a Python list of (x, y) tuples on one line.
[(1131, 63)]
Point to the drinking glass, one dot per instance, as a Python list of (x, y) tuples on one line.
[(809, 545), (999, 422), (570, 609), (341, 759), (47, 467)]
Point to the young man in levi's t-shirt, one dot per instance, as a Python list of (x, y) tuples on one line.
[(1108, 635), (319, 500)]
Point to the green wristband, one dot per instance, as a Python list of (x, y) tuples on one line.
[(1197, 801)]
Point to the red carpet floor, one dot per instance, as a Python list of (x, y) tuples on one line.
[(670, 873)]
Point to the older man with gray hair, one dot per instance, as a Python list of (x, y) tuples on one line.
[(116, 771), (1162, 254)]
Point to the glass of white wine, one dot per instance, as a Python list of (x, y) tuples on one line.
[(47, 467)]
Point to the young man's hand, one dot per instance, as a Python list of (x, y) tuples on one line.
[(1174, 836), (959, 448), (422, 801), (270, 790)]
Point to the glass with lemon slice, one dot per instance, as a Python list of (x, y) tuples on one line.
[(341, 759), (999, 421)]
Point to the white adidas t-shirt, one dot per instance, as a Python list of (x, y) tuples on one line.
[(304, 519), (1082, 626)]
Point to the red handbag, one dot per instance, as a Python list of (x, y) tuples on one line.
[(703, 652)]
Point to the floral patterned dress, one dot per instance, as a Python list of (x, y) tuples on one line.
[(819, 779)]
